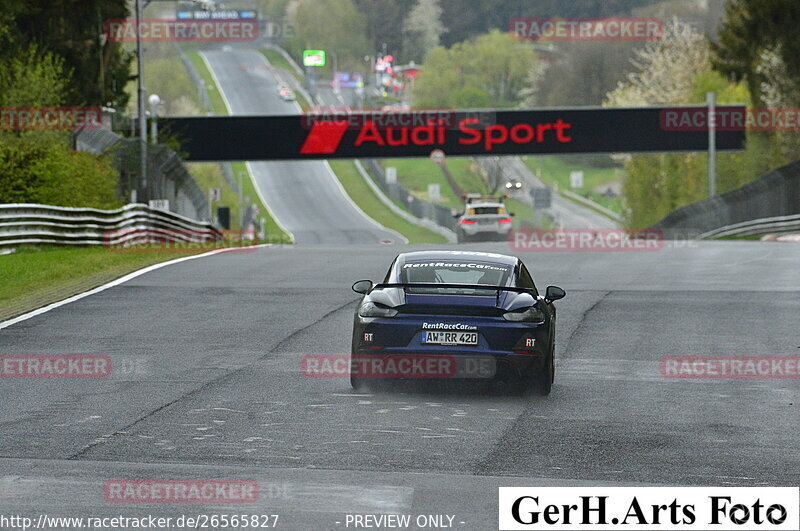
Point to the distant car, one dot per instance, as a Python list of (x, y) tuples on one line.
[(286, 92), (457, 305), (484, 217)]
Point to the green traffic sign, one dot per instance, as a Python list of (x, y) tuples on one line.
[(313, 57)]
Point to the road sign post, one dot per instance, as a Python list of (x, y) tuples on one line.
[(576, 179), (391, 175), (214, 195), (434, 193), (542, 197)]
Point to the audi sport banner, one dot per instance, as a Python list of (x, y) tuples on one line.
[(344, 134)]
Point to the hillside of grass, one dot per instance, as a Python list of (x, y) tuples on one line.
[(417, 174), (365, 198), (555, 171)]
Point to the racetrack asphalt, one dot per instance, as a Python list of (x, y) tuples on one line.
[(207, 384)]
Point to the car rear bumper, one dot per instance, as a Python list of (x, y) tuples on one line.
[(398, 363), (501, 229)]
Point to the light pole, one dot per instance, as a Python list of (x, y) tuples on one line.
[(712, 145), (154, 100), (336, 89), (241, 207), (142, 195)]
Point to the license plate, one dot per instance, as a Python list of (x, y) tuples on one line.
[(450, 338), (486, 221)]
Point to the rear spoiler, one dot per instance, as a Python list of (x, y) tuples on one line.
[(498, 289)]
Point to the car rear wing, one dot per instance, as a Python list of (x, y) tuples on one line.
[(498, 289)]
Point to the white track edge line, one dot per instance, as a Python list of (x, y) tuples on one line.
[(266, 205), (117, 282), (216, 82), (358, 208)]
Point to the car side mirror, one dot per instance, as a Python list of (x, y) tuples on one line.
[(511, 214), (553, 293), (362, 286)]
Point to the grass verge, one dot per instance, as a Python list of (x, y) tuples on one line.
[(416, 174), (277, 60), (366, 199), (556, 169), (217, 101), (34, 277), (524, 216)]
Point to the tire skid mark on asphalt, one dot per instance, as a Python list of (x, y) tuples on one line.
[(299, 331), (563, 354), (103, 439)]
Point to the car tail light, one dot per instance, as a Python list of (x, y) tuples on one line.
[(372, 309), (531, 314), (504, 220), (467, 221)]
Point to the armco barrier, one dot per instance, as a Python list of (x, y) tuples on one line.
[(22, 223), (775, 225), (776, 194)]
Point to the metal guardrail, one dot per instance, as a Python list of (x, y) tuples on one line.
[(774, 194), (422, 222), (593, 205), (776, 225), (22, 223)]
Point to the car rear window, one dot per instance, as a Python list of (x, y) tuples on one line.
[(455, 272), (486, 210)]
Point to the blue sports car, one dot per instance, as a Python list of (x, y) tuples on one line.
[(455, 314)]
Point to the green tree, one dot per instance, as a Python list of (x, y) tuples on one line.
[(72, 30), (422, 29), (38, 166), (35, 170), (677, 70), (332, 25), (752, 28), (581, 73), (33, 76), (384, 24), (490, 70)]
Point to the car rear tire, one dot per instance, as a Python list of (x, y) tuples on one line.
[(361, 384), (546, 376)]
